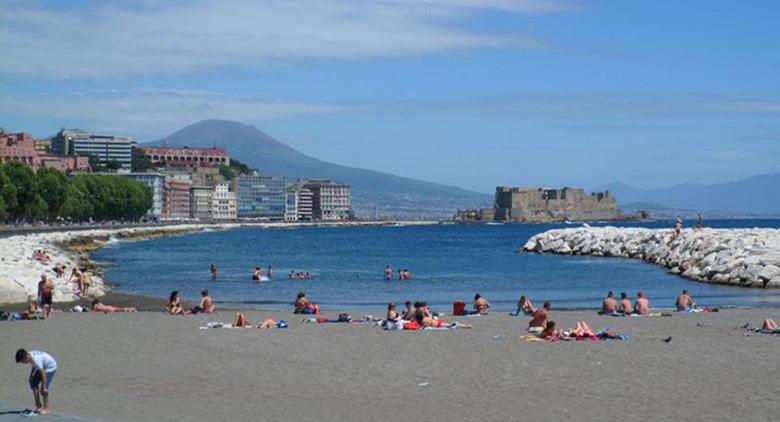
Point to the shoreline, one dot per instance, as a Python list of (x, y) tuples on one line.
[(72, 248)]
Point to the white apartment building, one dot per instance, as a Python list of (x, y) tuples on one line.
[(223, 203)]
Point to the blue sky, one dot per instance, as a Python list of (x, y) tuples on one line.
[(463, 92)]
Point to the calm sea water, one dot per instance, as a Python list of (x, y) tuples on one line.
[(448, 262)]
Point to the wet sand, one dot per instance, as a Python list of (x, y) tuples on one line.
[(150, 366)]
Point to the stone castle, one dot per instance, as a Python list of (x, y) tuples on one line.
[(528, 205)]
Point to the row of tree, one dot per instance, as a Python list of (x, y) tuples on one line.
[(50, 195)]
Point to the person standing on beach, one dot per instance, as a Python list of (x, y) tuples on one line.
[(699, 222), (45, 295), (77, 278), (43, 369), (536, 325), (213, 270)]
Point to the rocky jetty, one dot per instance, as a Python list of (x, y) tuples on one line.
[(739, 257)]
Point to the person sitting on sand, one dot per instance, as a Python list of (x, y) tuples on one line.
[(625, 304), (609, 306), (685, 302), (174, 304), (642, 305), (524, 305), (205, 306), (59, 269), (549, 332), (304, 306), (256, 274), (45, 295), (241, 321), (389, 273), (540, 317), (769, 325), (409, 312), (392, 314), (99, 307), (32, 312), (481, 305)]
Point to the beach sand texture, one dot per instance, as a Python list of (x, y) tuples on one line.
[(150, 366)]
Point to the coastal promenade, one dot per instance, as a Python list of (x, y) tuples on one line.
[(738, 257)]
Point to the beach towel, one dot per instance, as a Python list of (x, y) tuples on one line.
[(453, 326), (535, 330), (775, 331)]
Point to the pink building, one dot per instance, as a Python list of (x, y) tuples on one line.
[(190, 157), (21, 147)]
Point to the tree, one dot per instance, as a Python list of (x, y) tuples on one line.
[(23, 180), (94, 163), (227, 172), (140, 162), (51, 185), (113, 165)]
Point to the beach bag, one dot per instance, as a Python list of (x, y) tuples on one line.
[(414, 325), (281, 324), (4, 315), (458, 307), (344, 318)]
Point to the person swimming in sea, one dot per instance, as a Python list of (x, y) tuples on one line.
[(270, 272), (256, 274), (213, 270), (389, 274)]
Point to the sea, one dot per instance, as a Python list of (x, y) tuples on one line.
[(447, 262)]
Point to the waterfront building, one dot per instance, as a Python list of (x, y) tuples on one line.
[(201, 201), (43, 146), (177, 199), (189, 157), (223, 204), (155, 182), (261, 196), (21, 147), (330, 200), (105, 148), (291, 208), (304, 200)]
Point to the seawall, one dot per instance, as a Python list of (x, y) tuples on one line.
[(738, 257)]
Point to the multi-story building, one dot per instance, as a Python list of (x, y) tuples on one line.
[(223, 203), (261, 196), (105, 148), (21, 147), (189, 157), (304, 201), (156, 183), (177, 199), (43, 146), (330, 200), (201, 201), (291, 208)]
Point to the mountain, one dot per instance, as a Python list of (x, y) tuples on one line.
[(755, 195), (394, 196)]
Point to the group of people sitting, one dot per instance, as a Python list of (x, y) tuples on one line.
[(610, 306), (41, 256), (481, 306), (175, 307), (416, 317)]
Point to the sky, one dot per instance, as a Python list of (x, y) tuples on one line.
[(462, 92)]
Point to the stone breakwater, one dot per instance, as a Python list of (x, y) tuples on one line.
[(739, 257)]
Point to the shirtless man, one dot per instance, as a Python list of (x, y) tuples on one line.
[(304, 306), (206, 305), (642, 305), (77, 278), (256, 274), (610, 305), (684, 301), (213, 270), (45, 294), (625, 304), (99, 307), (481, 305), (540, 317), (388, 273)]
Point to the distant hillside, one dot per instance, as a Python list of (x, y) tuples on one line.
[(395, 196), (757, 195)]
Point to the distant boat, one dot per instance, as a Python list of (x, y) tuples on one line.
[(494, 223)]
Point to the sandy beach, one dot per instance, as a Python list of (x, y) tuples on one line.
[(151, 366)]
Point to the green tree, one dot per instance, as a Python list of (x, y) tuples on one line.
[(76, 205), (113, 165), (227, 172), (23, 180), (51, 185), (140, 162)]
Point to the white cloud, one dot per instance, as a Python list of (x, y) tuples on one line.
[(151, 114), (117, 40)]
